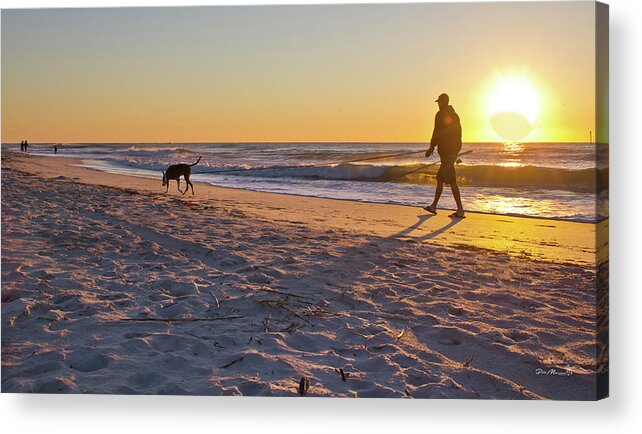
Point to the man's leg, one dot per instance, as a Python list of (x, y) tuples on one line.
[(433, 206), (456, 194)]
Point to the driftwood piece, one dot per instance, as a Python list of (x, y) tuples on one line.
[(240, 359), (304, 386)]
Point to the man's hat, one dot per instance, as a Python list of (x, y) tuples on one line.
[(443, 97)]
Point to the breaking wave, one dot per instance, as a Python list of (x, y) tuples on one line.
[(582, 180)]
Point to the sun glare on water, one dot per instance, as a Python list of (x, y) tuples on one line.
[(513, 107)]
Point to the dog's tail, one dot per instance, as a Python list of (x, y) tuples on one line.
[(199, 159)]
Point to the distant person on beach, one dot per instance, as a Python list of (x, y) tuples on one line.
[(55, 149), (446, 137), (26, 146), (22, 146)]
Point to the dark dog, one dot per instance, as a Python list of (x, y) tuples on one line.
[(175, 172)]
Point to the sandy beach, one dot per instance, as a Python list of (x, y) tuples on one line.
[(109, 285)]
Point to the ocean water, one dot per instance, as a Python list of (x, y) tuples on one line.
[(551, 180)]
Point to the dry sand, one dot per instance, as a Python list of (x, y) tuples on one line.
[(111, 286)]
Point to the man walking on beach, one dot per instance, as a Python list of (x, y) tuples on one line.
[(446, 137)]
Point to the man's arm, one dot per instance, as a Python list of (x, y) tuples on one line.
[(433, 141), (430, 151)]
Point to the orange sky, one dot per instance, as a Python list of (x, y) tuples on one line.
[(290, 73)]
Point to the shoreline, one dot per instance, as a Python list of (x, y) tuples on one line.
[(560, 241), (561, 219)]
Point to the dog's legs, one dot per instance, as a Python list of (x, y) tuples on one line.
[(178, 185), (186, 186), (189, 183)]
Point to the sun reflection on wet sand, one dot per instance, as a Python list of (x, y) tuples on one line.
[(511, 164), (514, 205)]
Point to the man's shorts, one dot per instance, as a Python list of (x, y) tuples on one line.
[(446, 171)]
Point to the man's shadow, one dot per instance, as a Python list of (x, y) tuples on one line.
[(433, 234), (420, 221)]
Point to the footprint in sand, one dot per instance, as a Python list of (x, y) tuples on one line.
[(449, 341), (168, 343), (259, 278), (142, 381), (418, 378), (456, 311), (43, 368), (175, 288), (253, 388), (135, 346), (518, 336), (69, 302), (86, 360), (450, 336), (56, 385)]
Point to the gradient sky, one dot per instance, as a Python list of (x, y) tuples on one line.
[(290, 73)]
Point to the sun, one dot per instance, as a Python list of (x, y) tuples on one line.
[(513, 107)]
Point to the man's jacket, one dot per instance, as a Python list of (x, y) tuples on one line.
[(447, 133)]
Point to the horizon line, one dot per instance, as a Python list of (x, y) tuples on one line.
[(294, 142)]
